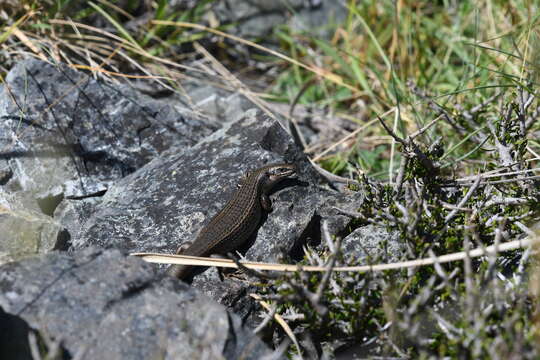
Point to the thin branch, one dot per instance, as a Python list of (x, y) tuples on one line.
[(463, 201)]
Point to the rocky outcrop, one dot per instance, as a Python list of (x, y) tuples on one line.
[(64, 135), (90, 167), (102, 304), (168, 201)]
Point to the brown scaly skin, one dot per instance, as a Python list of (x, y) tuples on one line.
[(233, 225)]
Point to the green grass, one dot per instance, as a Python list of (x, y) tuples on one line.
[(453, 55)]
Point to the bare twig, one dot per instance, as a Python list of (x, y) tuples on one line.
[(463, 201)]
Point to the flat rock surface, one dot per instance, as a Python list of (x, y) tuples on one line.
[(79, 133), (104, 305)]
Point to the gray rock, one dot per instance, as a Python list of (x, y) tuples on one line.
[(64, 132), (320, 18), (371, 243), (24, 232), (218, 105), (254, 18), (72, 214), (169, 200), (104, 305), (65, 136), (258, 18)]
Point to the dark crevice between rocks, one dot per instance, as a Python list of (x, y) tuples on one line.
[(15, 341), (5, 175), (92, 195), (63, 240), (310, 236), (48, 204), (14, 333)]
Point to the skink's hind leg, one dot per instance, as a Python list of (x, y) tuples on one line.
[(266, 203), (222, 271), (179, 271)]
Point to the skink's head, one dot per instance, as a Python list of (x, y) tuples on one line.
[(269, 175), (277, 172)]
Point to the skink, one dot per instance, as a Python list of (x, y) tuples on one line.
[(233, 225)]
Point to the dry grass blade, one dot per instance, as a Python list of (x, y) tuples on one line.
[(226, 263), (280, 321), (29, 44), (124, 43), (352, 134), (316, 70), (11, 29)]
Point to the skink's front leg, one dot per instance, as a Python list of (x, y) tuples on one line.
[(266, 203)]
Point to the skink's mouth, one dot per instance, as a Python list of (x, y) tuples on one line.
[(287, 171)]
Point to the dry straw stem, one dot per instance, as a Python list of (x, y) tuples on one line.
[(29, 44), (280, 321), (316, 70), (352, 134), (492, 250), (125, 44), (7, 31)]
